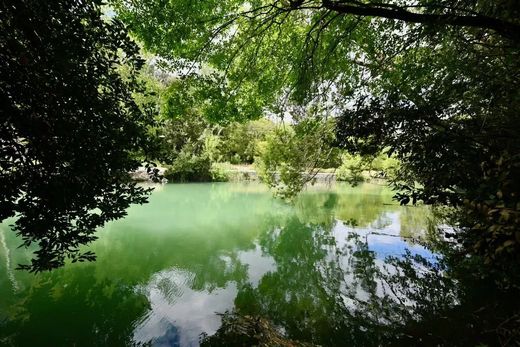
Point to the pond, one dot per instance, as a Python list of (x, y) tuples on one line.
[(167, 273)]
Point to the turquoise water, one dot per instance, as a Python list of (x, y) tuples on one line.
[(165, 273)]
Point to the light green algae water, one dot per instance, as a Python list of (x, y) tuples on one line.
[(165, 272)]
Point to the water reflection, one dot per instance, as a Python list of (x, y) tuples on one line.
[(196, 250), (178, 313)]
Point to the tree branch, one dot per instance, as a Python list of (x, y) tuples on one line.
[(503, 28)]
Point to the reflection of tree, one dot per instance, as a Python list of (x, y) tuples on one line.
[(318, 287), (452, 301), (304, 295), (365, 204), (80, 311), (316, 208), (415, 222), (328, 295), (240, 330)]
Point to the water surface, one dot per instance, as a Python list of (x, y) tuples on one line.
[(164, 273)]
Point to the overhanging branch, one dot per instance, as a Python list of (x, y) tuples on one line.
[(501, 27)]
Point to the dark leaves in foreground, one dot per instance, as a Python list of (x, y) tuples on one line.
[(70, 129)]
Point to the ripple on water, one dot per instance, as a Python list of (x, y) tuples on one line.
[(179, 314)]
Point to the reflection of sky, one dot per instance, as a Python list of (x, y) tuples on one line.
[(179, 315), (383, 237), (384, 246), (257, 264)]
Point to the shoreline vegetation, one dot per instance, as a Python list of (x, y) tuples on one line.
[(286, 156), (248, 172)]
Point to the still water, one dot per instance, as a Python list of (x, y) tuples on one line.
[(166, 273)]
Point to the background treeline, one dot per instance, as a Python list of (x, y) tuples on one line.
[(193, 148)]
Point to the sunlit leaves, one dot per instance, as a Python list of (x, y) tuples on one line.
[(292, 156)]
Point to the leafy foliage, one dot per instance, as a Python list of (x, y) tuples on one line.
[(70, 126), (435, 82), (189, 146), (355, 167), (240, 141), (449, 115), (352, 168), (291, 156)]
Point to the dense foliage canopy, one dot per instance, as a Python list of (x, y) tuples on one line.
[(434, 83), (70, 128)]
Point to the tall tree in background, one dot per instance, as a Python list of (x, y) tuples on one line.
[(435, 82), (70, 128)]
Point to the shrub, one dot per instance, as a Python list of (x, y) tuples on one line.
[(353, 167), (189, 167), (351, 170), (291, 155), (220, 172)]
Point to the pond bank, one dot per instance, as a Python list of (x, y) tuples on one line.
[(241, 173)]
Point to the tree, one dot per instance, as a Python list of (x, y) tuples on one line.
[(70, 127), (447, 109), (254, 51), (291, 156), (434, 82), (240, 141)]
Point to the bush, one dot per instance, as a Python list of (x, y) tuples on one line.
[(390, 167), (351, 170), (220, 172), (353, 167), (291, 155), (240, 140), (189, 167)]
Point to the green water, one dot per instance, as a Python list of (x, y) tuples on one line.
[(164, 273)]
